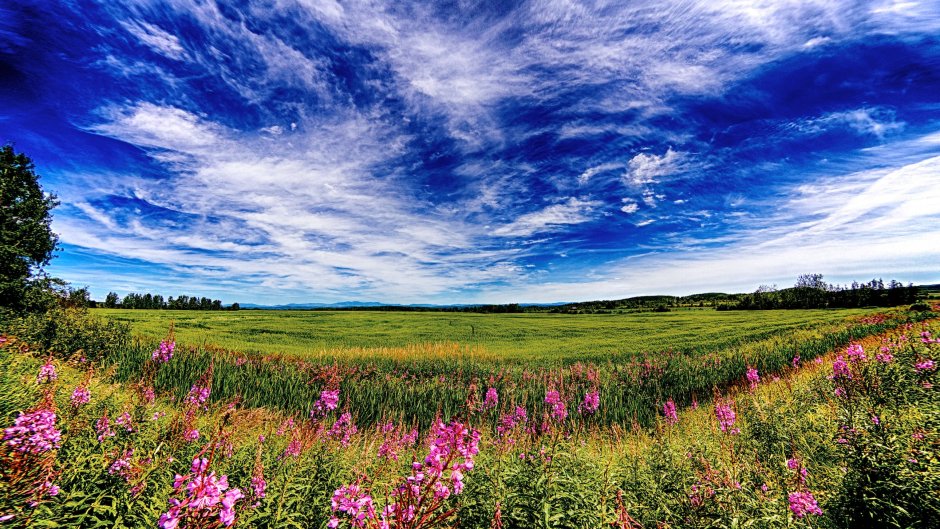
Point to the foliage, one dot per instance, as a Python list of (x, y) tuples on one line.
[(26, 239)]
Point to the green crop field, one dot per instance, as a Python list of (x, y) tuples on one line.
[(521, 337)]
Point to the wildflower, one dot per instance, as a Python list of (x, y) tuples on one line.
[(122, 464), (328, 401), (559, 410), (840, 369), (191, 435), (884, 356), (126, 421), (205, 496), (198, 395), (343, 429), (669, 411), (925, 365), (354, 503), (164, 352), (795, 362), (33, 432), (491, 400), (591, 403), (148, 395), (752, 377), (726, 417), (47, 373), (103, 428), (803, 503), (259, 486), (80, 396), (856, 353), (875, 420)]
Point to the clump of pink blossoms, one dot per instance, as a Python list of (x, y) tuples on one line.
[(343, 429), (855, 353), (328, 401), (669, 411), (559, 409), (591, 403), (47, 373), (726, 417), (204, 496), (80, 396), (925, 365), (491, 400), (164, 352), (421, 495), (33, 432), (752, 377), (803, 503)]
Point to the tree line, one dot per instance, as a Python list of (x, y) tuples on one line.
[(156, 302), (812, 292)]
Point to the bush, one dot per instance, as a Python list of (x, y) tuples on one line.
[(65, 331)]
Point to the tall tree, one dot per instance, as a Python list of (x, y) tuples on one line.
[(26, 239)]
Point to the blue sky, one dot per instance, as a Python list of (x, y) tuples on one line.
[(307, 150)]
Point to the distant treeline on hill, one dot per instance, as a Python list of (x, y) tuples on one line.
[(811, 292), (156, 301)]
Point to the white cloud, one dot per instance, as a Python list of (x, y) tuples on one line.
[(573, 211), (629, 206), (156, 39), (647, 168)]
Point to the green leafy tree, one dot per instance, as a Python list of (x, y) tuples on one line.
[(27, 242)]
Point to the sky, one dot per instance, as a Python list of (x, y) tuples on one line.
[(289, 151)]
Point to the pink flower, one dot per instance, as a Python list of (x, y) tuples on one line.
[(840, 369), (726, 417), (559, 409), (343, 429), (33, 432), (164, 352), (669, 411), (103, 428), (47, 373), (803, 503), (591, 403), (328, 401), (491, 400), (752, 377), (856, 353), (80, 396), (925, 365)]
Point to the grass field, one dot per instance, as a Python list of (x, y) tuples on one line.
[(523, 337)]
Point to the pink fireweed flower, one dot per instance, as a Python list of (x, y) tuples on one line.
[(591, 403), (259, 486), (840, 369), (855, 353), (925, 365), (80, 396), (33, 432), (559, 409), (328, 401), (122, 465), (669, 411), (795, 362), (47, 373), (198, 395), (752, 377), (164, 352), (148, 395), (205, 496), (354, 503), (726, 417), (191, 435), (126, 421), (803, 503), (103, 428), (491, 400), (884, 356), (343, 429)]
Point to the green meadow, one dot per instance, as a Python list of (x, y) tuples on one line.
[(521, 337)]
